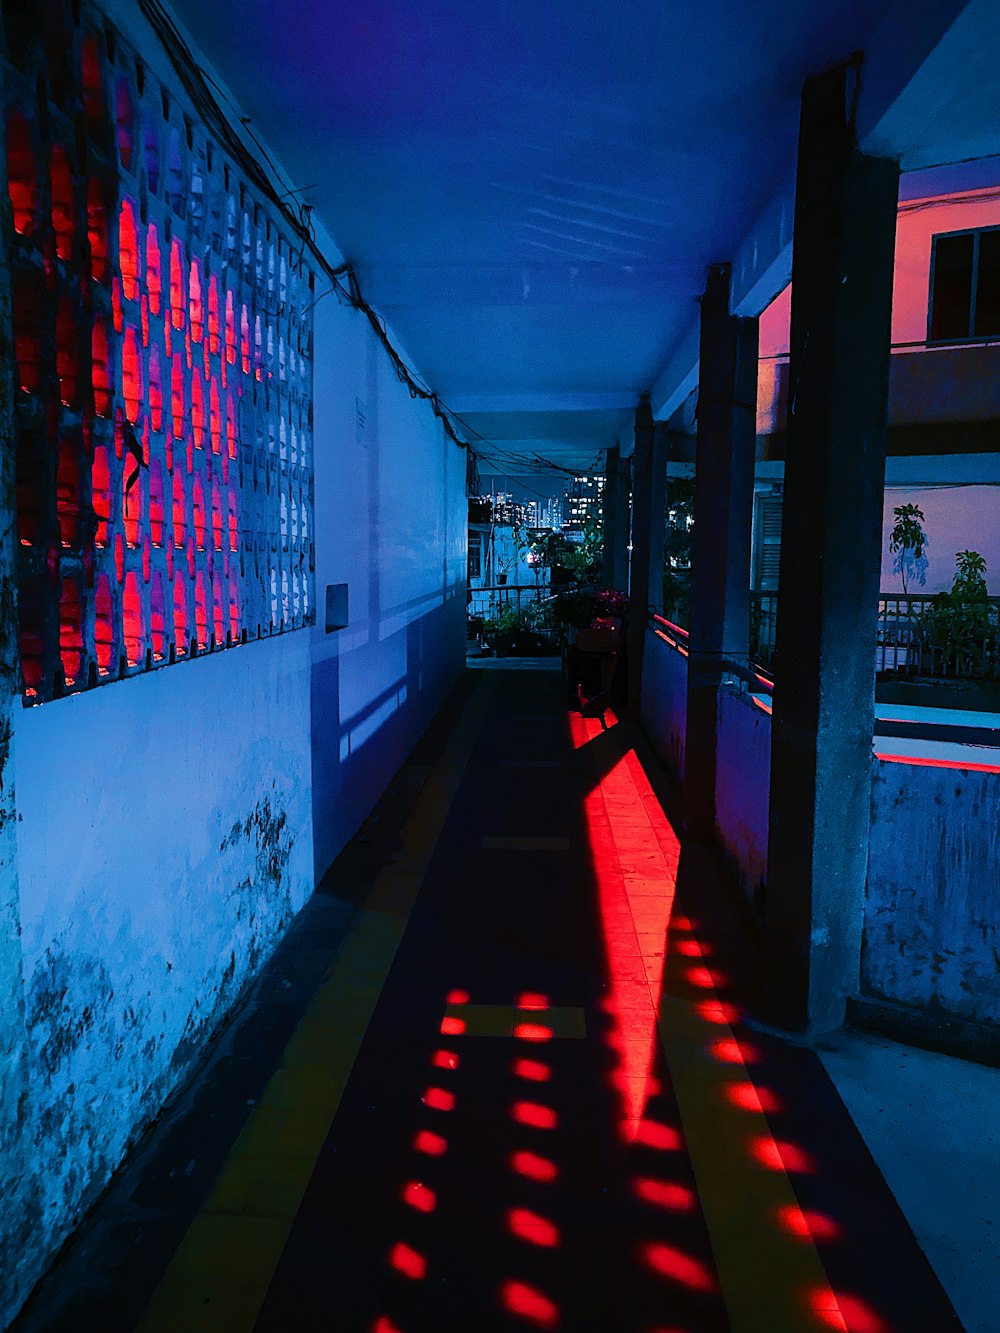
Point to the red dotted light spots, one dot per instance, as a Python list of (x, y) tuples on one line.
[(679, 1267), (749, 1098), (782, 1156), (439, 1099), (431, 1144), (651, 1134), (715, 1011), (530, 1304), (418, 1196), (532, 1032), (700, 977), (445, 1060), (809, 1225), (665, 1194), (452, 1027), (406, 1260), (533, 1070), (530, 1227), (533, 1167), (532, 1000), (385, 1325), (535, 1115), (734, 1052), (847, 1314), (457, 997)]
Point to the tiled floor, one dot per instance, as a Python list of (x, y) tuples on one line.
[(515, 1089)]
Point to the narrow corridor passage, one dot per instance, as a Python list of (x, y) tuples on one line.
[(521, 1096)]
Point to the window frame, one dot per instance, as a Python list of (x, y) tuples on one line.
[(970, 337)]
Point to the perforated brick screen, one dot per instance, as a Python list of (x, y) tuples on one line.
[(163, 349)]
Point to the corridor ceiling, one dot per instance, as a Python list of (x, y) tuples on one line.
[(531, 190)]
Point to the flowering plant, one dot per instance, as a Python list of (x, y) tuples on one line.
[(610, 603)]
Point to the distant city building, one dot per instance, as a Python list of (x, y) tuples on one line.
[(584, 500)]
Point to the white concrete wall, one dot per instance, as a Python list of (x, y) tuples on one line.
[(391, 522), (164, 843)]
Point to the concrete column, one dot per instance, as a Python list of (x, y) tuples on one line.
[(844, 234), (614, 570), (649, 510), (720, 549)]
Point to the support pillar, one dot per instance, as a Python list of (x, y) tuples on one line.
[(614, 568), (821, 748), (649, 512), (720, 548)]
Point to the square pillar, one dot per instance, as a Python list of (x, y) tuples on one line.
[(614, 568), (720, 539), (649, 518), (821, 748)]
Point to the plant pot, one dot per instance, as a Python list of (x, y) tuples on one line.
[(501, 578)]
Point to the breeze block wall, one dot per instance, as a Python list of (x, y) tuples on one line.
[(155, 825), (163, 346)]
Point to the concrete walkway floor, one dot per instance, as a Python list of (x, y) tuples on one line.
[(498, 1078)]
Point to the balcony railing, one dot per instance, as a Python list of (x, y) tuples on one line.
[(915, 635), (488, 602)]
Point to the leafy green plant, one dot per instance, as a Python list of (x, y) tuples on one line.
[(907, 543), (960, 626)]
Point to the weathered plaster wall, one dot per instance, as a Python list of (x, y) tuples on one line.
[(663, 705), (391, 522), (742, 778), (932, 924), (164, 843)]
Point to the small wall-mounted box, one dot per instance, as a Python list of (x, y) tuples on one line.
[(336, 607)]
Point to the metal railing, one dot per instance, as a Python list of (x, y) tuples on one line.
[(914, 635), (489, 602)]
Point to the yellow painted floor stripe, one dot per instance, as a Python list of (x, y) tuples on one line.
[(770, 1279), (221, 1271)]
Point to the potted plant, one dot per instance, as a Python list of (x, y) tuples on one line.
[(958, 625)]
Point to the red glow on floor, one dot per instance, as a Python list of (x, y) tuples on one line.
[(531, 999), (418, 1196), (700, 977), (457, 997), (847, 1313), (532, 1032), (689, 949), (529, 1226), (810, 1225), (665, 1194), (180, 613), (407, 1261), (680, 1267), (431, 1144), (445, 1060), (533, 1070), (385, 1325), (530, 1304), (733, 1052), (715, 1011), (439, 1099), (651, 1134), (749, 1098), (619, 850), (782, 1156), (452, 1027), (535, 1115), (534, 1167)]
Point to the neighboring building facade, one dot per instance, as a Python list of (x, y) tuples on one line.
[(944, 404), (584, 500)]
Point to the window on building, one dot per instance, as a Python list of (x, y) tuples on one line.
[(475, 555), (767, 553), (965, 286)]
